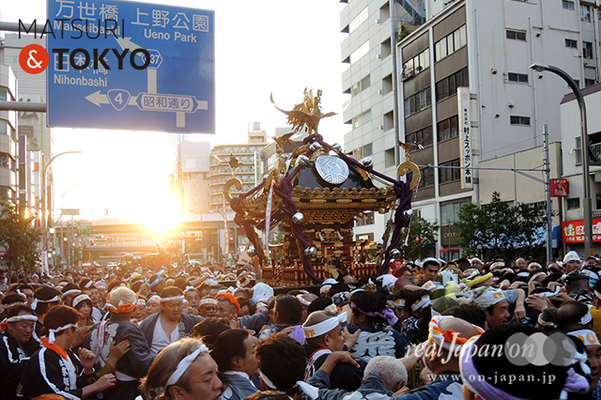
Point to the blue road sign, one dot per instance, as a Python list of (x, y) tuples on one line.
[(135, 66)]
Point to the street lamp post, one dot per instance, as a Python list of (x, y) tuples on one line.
[(585, 152), (43, 200)]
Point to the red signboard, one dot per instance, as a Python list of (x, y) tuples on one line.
[(559, 188), (573, 231)]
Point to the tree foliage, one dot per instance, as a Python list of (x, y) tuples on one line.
[(19, 238), (499, 228), (422, 239)]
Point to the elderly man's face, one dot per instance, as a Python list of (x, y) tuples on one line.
[(521, 263)]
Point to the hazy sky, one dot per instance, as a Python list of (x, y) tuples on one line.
[(262, 46)]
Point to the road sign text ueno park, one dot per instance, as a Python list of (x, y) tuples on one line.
[(129, 65)]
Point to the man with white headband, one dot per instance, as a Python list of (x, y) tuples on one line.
[(55, 368), (69, 292), (324, 335), (44, 299), (121, 303), (171, 323), (184, 370), (571, 262), (208, 307), (431, 267), (17, 344), (496, 305)]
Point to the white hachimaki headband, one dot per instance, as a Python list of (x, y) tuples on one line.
[(423, 302), (536, 275), (588, 337), (34, 305), (17, 318), (174, 298), (321, 328), (207, 301), (155, 298), (399, 303), (325, 288), (68, 292), (302, 300), (307, 389), (80, 298), (188, 288), (184, 364), (51, 332)]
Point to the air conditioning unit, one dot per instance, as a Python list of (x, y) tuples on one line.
[(378, 21), (379, 56), (381, 127), (379, 91)]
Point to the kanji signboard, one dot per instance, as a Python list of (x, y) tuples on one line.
[(126, 65)]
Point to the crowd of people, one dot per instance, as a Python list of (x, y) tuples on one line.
[(424, 330)]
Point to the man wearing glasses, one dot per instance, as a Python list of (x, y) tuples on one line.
[(171, 323)]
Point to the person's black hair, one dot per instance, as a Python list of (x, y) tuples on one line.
[(319, 304), (403, 294), (289, 309), (341, 277), (570, 312), (365, 281), (282, 360), (229, 343), (338, 288), (553, 277), (171, 291), (209, 329), (495, 364), (472, 313), (13, 298), (11, 312), (45, 293), (243, 301), (548, 315), (181, 282), (368, 301)]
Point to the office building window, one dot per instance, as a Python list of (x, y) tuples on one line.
[(360, 52), (358, 20), (417, 102), (366, 219), (416, 64), (448, 86), (572, 44), (422, 137), (448, 128), (518, 120), (449, 213), (362, 119), (389, 158), (367, 150), (587, 50), (360, 86), (568, 5), (574, 204), (515, 77), (585, 13), (515, 35), (450, 43), (426, 177), (449, 174)]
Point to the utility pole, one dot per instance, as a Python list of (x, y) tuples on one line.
[(548, 190)]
